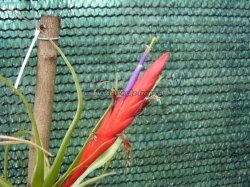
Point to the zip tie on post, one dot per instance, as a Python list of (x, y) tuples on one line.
[(27, 57), (49, 38)]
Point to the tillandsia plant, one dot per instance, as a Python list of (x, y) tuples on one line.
[(103, 141), (133, 100)]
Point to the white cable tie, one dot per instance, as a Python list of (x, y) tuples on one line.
[(49, 38), (27, 57)]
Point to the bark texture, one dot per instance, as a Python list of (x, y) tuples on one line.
[(45, 82)]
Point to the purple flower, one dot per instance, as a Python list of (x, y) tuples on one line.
[(138, 69)]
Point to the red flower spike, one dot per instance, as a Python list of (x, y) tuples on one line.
[(120, 117), (139, 91)]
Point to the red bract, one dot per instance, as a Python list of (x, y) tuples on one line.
[(120, 117)]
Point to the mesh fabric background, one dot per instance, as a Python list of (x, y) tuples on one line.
[(198, 136)]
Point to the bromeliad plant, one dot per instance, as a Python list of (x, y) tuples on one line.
[(103, 141), (134, 99)]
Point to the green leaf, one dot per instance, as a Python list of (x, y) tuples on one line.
[(38, 175), (55, 168), (101, 160), (5, 183), (104, 170), (7, 151), (95, 179)]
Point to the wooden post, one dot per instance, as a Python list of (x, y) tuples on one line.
[(45, 81)]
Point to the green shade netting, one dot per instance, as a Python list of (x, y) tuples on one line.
[(200, 133)]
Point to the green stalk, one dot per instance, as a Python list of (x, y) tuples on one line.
[(38, 175)]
